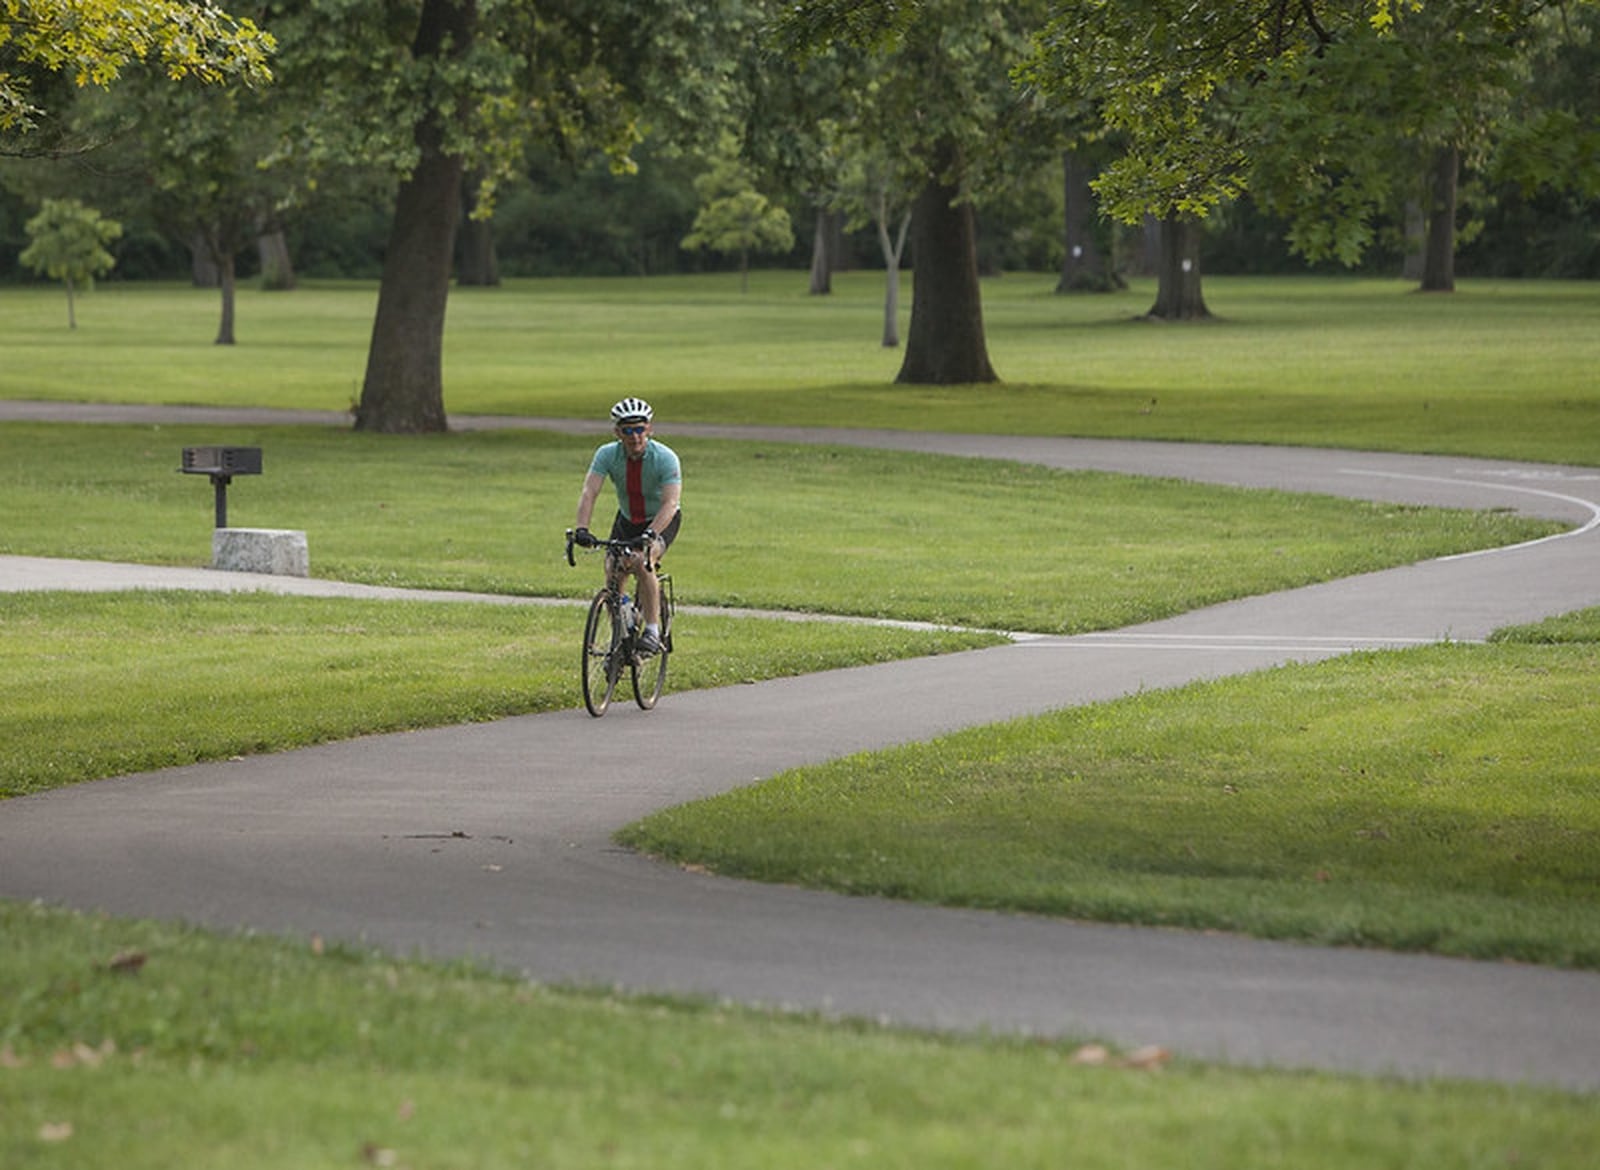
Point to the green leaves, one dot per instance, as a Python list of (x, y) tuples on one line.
[(69, 244), (93, 41), (734, 217), (69, 241)]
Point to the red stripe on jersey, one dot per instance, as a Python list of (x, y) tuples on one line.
[(636, 511)]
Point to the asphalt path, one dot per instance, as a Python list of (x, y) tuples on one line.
[(494, 840)]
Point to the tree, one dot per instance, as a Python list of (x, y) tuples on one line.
[(1543, 169), (939, 72), (69, 245), (468, 87), (820, 125), (741, 222), (1087, 262), (734, 217), (1325, 109), (875, 190), (404, 388), (1410, 104), (199, 159), (93, 41), (945, 344)]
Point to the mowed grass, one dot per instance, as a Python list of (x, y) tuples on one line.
[(766, 525), (1500, 368), (1444, 799), (97, 685), (255, 1052), (146, 1046)]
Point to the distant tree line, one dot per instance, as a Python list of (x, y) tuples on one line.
[(592, 223)]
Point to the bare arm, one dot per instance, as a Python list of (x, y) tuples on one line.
[(592, 484), (670, 495)]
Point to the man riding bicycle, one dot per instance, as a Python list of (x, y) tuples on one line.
[(649, 483)]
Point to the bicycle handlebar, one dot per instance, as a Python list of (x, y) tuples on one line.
[(632, 544)]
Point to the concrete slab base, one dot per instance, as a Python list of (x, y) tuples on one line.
[(261, 550)]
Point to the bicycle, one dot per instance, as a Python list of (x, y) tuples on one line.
[(612, 631)]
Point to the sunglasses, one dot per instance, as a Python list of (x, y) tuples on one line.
[(631, 430)]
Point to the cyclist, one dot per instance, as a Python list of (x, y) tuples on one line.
[(649, 483)]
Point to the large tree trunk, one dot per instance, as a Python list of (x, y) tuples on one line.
[(1178, 281), (277, 269), (821, 259), (1083, 266), (404, 387), (1439, 253), (945, 345)]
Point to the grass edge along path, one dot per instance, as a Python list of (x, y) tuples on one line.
[(1438, 799), (145, 1045), (104, 684)]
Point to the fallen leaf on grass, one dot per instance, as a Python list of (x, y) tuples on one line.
[(9, 1059), (55, 1131), (1150, 1057), (127, 962), (81, 1055)]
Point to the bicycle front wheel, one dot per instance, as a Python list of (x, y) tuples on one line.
[(602, 653), (650, 674)]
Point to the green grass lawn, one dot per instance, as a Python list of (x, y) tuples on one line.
[(95, 685), (1263, 804), (1498, 368), (1443, 799), (766, 525), (253, 1053)]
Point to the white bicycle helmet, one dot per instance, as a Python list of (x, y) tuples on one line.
[(631, 410)]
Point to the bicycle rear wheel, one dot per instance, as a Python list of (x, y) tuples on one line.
[(602, 653), (650, 674)]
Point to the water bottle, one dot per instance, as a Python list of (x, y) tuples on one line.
[(625, 608)]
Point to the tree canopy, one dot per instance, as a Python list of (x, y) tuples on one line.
[(90, 42), (69, 245), (1311, 104)]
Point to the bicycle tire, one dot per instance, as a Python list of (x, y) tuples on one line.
[(602, 653), (650, 674)]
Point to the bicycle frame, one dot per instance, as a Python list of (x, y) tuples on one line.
[(610, 644)]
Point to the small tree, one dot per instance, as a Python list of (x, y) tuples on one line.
[(69, 244), (735, 217)]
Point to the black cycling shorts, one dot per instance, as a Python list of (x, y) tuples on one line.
[(624, 529)]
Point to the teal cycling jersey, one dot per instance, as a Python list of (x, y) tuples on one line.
[(638, 482)]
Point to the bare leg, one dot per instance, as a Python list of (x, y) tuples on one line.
[(649, 587)]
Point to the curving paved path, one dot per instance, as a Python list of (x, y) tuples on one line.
[(494, 840)]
